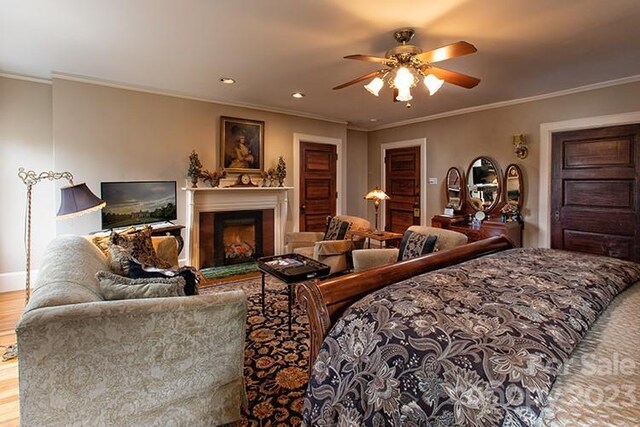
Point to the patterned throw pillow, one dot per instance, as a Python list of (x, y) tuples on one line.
[(101, 241), (415, 244), (119, 258), (114, 287), (141, 247), (336, 229)]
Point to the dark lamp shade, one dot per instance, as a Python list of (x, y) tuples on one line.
[(78, 200)]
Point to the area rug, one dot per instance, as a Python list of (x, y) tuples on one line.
[(276, 363), (229, 270)]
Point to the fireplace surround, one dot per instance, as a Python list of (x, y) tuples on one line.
[(238, 199)]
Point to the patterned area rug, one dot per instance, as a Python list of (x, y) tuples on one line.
[(276, 364)]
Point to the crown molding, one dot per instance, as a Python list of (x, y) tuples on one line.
[(25, 78), (153, 91), (579, 89)]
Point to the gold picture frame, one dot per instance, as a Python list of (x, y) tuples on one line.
[(241, 145)]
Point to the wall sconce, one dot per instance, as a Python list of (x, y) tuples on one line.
[(520, 145)]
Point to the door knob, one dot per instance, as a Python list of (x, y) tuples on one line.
[(303, 207), (556, 216)]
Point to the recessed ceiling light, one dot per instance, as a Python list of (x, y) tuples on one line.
[(297, 95), (373, 120), (227, 80)]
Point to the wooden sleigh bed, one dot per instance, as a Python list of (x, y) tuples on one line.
[(395, 346)]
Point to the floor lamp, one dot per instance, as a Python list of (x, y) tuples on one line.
[(75, 200), (377, 195)]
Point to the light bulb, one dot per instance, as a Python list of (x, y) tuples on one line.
[(403, 79), (374, 86), (432, 83), (404, 94)]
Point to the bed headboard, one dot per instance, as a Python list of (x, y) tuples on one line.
[(325, 301)]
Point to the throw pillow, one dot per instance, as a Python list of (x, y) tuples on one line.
[(141, 247), (119, 258), (416, 244), (114, 287), (138, 270), (101, 241), (336, 229)]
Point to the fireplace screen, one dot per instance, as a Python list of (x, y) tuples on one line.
[(239, 241), (237, 237)]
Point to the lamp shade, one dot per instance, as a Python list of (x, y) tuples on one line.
[(78, 200), (376, 194)]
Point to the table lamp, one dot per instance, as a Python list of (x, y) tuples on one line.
[(377, 195)]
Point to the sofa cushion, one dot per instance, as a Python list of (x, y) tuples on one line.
[(115, 287), (336, 229), (189, 274), (67, 273), (416, 244)]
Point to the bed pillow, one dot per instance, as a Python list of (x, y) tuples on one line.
[(336, 229), (115, 287), (137, 270), (141, 247), (415, 244)]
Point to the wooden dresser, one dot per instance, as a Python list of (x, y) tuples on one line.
[(489, 228)]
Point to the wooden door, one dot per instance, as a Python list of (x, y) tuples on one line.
[(317, 185), (402, 185), (595, 184)]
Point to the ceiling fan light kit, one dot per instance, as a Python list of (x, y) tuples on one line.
[(408, 64)]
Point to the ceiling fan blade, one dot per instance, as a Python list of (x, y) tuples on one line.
[(452, 77), (368, 58), (445, 52), (359, 79)]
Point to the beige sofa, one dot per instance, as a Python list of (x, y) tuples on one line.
[(158, 361), (368, 258)]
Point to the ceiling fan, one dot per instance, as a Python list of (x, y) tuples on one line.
[(407, 63)]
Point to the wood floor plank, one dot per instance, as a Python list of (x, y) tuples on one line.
[(11, 306)]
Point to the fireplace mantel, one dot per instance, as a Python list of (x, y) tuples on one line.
[(233, 199)]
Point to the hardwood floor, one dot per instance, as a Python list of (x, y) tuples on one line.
[(11, 305)]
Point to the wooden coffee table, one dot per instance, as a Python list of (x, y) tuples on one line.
[(290, 269)]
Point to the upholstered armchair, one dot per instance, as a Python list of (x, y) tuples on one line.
[(334, 246), (368, 258)]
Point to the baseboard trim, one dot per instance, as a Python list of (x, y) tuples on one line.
[(14, 281)]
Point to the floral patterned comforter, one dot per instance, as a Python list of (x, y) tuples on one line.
[(477, 344)]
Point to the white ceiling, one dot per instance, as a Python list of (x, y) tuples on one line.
[(276, 47)]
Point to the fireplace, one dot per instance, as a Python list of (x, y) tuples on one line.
[(235, 237)]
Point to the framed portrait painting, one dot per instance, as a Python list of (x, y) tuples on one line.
[(241, 145)]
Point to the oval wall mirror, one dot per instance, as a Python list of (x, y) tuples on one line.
[(514, 186), (484, 184), (455, 188)]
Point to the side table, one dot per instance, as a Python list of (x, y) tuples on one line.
[(290, 269), (384, 237)]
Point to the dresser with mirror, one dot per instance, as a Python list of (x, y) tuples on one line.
[(484, 202)]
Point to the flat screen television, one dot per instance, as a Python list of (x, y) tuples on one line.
[(138, 202), (483, 175)]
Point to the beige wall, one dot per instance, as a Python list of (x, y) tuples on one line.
[(25, 141), (357, 180), (455, 141), (102, 133)]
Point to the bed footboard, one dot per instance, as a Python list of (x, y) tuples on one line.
[(325, 301)]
